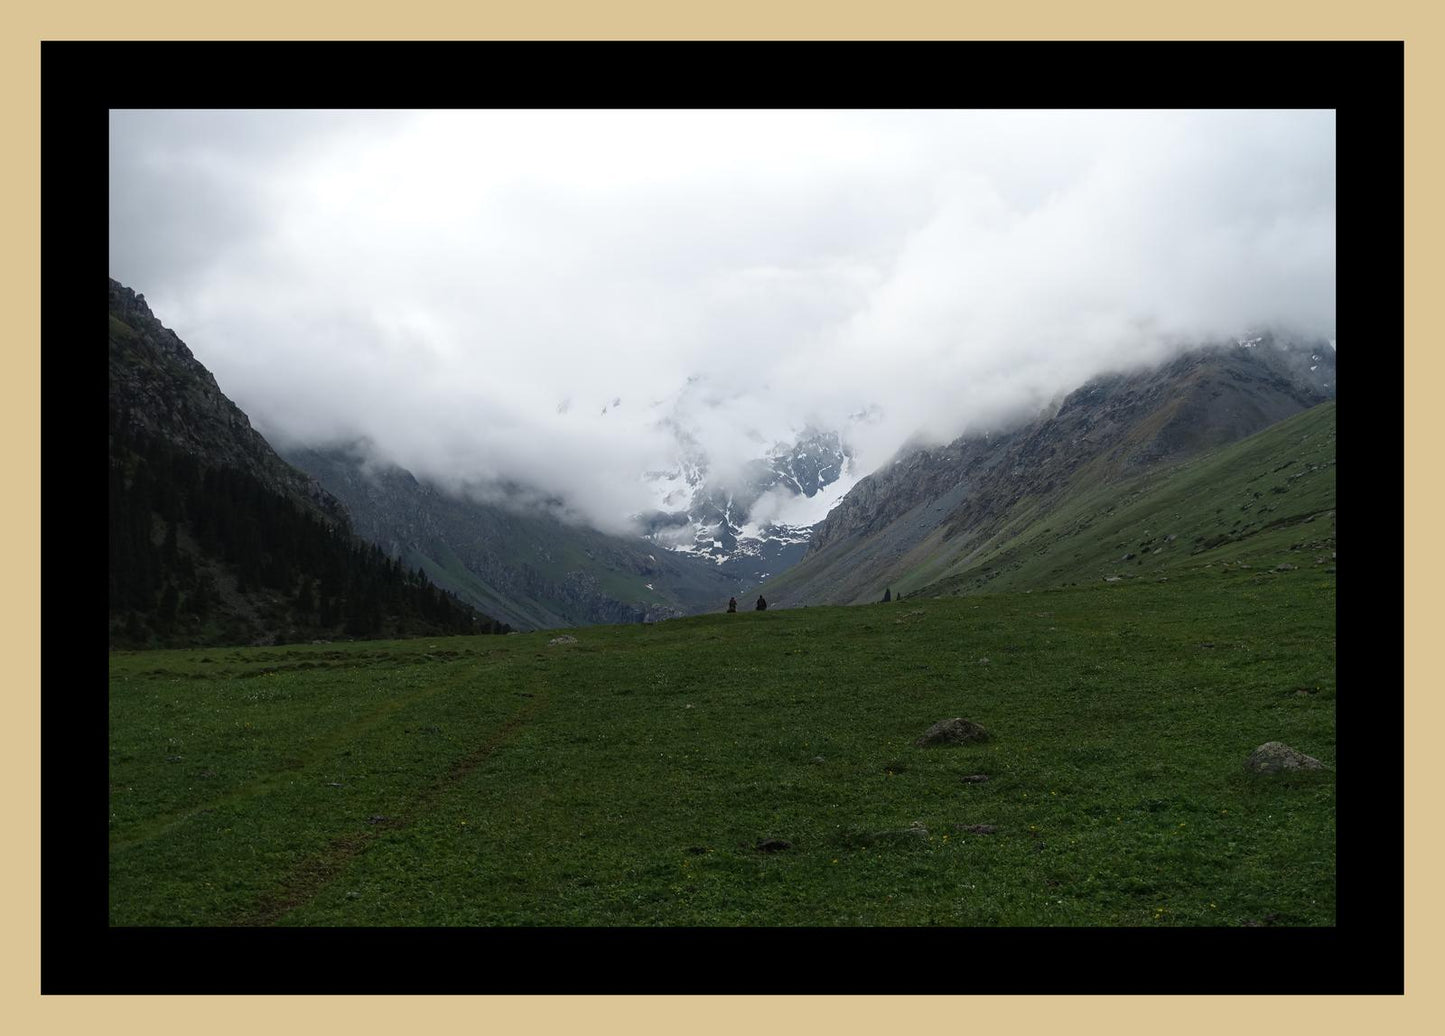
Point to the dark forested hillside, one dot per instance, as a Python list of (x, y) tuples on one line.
[(213, 539)]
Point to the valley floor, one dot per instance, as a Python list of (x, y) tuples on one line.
[(749, 769)]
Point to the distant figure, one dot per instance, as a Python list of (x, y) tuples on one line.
[(762, 604), (732, 604), (887, 594)]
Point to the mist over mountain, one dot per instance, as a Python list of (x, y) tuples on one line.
[(497, 300)]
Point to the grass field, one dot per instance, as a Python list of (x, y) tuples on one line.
[(646, 775)]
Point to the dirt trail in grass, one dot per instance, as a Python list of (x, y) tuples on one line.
[(320, 870), (321, 749)]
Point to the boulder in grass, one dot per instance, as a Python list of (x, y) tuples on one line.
[(563, 639), (1276, 756), (956, 731)]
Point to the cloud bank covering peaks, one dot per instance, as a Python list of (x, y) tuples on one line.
[(550, 298)]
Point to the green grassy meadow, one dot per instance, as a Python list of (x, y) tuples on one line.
[(636, 776)]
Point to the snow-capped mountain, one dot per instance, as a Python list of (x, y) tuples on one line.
[(756, 520)]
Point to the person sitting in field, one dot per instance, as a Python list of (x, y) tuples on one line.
[(732, 604), (762, 604)]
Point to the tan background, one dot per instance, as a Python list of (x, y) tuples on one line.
[(25, 1011)]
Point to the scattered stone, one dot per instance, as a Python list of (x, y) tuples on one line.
[(1275, 756), (773, 845), (1129, 557), (1284, 566), (564, 639), (173, 758), (956, 731), (974, 778), (333, 784), (377, 818), (1112, 579), (818, 760), (975, 829)]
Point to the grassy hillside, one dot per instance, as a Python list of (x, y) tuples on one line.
[(1264, 501), (650, 774)]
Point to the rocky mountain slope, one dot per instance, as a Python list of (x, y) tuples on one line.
[(157, 386), (932, 510), (529, 569)]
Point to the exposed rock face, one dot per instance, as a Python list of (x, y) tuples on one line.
[(956, 731), (1276, 756), (158, 385)]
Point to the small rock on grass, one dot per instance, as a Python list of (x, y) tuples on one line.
[(956, 731), (1276, 756)]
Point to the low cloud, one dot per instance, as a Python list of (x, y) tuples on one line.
[(557, 299)]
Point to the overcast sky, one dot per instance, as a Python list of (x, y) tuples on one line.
[(525, 294)]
